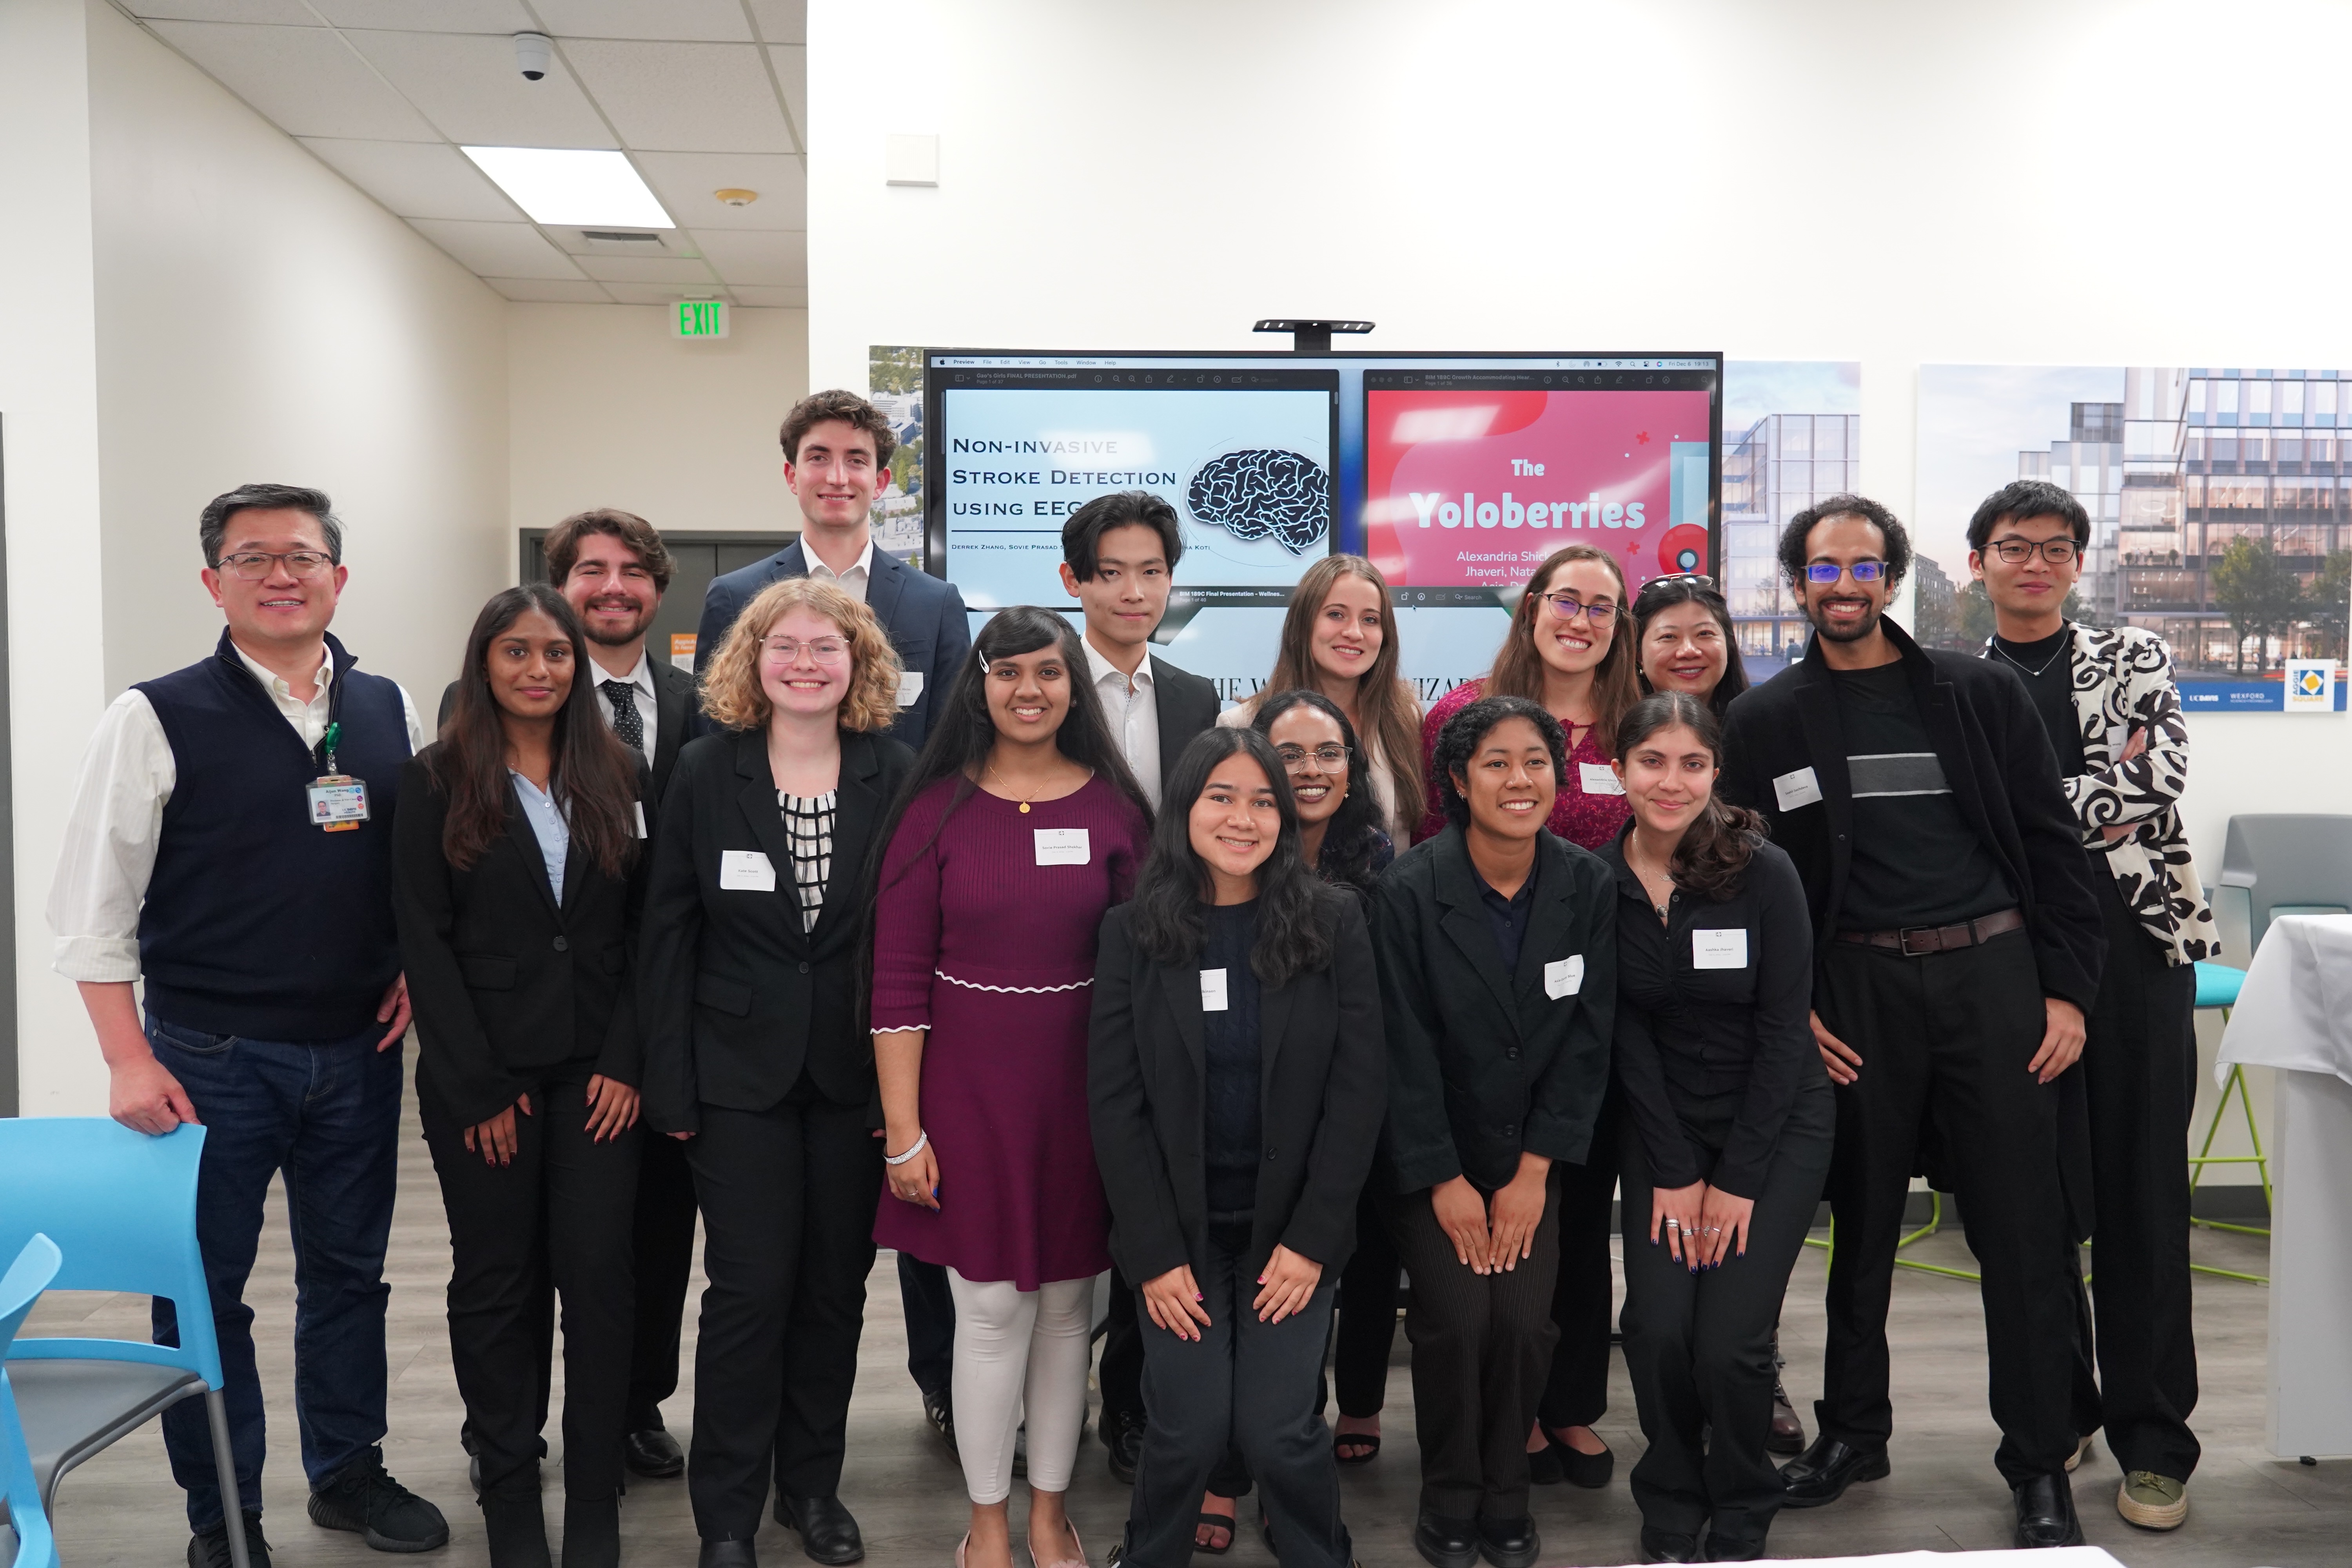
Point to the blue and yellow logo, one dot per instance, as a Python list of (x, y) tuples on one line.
[(2311, 683)]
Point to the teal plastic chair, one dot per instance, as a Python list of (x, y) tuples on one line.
[(2217, 987), (122, 1207), (24, 1538)]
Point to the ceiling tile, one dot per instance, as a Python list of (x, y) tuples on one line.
[(498, 250), (646, 270), (660, 294), (791, 76), (288, 13), (720, 21), (781, 21), (416, 179), (684, 97), (550, 290), (739, 256), (306, 80), (470, 87), (786, 298), (684, 182), (506, 17)]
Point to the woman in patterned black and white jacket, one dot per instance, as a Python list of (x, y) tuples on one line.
[(2108, 700)]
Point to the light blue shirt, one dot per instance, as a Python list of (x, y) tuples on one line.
[(547, 824)]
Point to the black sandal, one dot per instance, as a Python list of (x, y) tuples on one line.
[(1368, 1441), (1224, 1521)]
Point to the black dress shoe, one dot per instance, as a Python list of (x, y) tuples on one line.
[(1445, 1541), (828, 1534), (1509, 1543), (1578, 1469), (1123, 1435), (727, 1555), (2046, 1513), (1788, 1434), (651, 1451), (1665, 1546), (1822, 1472), (1722, 1547), (941, 1415)]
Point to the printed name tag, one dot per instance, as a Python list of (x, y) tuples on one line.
[(338, 802), (1564, 977), (1599, 778), (1800, 788), (1719, 949), (746, 871), (1062, 847), (1213, 991), (910, 687), (641, 817)]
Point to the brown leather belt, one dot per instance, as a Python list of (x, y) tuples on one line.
[(1918, 941)]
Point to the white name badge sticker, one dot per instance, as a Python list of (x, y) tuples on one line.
[(1565, 976), (1800, 788), (910, 687), (1599, 778), (339, 802), (1213, 991), (746, 871), (1719, 949), (641, 817), (1062, 847)]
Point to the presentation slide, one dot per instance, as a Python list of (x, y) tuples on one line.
[(1472, 478)]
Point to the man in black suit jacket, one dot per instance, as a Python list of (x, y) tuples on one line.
[(1959, 943), (1119, 561), (838, 451)]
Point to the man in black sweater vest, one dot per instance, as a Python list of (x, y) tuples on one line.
[(249, 883), (1959, 944)]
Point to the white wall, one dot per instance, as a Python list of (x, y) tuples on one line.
[(605, 408), (2012, 181)]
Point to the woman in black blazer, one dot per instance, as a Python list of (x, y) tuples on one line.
[(756, 1049), (1497, 951), (516, 882), (1235, 1077), (1728, 1130)]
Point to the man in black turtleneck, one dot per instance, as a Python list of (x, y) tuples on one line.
[(2106, 697)]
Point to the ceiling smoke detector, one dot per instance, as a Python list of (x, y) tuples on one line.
[(736, 196)]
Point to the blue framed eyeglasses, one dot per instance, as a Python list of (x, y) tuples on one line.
[(1827, 572)]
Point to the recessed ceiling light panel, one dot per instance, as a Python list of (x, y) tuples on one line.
[(572, 185)]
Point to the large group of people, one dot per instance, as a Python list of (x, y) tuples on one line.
[(1014, 955)]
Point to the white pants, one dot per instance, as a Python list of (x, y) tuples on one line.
[(1020, 1351)]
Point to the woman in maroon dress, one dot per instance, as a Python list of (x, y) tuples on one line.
[(1571, 647), (1019, 826)]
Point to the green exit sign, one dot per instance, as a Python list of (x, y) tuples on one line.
[(698, 318)]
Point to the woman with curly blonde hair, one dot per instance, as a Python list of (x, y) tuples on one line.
[(756, 1053)]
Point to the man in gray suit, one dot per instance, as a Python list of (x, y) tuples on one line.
[(838, 451)]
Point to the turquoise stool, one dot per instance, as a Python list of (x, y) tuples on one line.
[(2217, 987), (32, 1546)]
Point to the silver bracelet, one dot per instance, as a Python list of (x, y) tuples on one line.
[(913, 1150)]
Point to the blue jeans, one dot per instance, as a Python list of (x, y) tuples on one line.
[(327, 1114)]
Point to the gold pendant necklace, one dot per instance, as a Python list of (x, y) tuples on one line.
[(1000, 779)]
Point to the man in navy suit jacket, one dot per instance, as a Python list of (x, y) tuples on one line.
[(838, 451)]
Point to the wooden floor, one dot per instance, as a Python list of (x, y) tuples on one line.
[(2247, 1508)]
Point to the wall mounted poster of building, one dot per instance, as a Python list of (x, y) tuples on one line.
[(894, 383), (2220, 504), (1791, 436)]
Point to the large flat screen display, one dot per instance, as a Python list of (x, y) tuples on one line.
[(1456, 473)]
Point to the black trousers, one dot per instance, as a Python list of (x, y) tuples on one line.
[(1120, 1375), (556, 1218), (788, 1198), (2140, 1064), (930, 1311), (1577, 1392), (664, 1232), (1246, 1385), (1944, 1041), (1367, 1314), (1699, 1346), (1482, 1346)]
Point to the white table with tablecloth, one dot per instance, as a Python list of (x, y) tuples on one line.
[(2295, 1016)]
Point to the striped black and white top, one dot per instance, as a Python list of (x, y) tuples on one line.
[(808, 825)]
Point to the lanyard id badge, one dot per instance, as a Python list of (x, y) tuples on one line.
[(338, 802)]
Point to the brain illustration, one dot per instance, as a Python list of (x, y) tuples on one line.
[(1268, 494)]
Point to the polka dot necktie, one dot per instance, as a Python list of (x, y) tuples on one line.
[(627, 722)]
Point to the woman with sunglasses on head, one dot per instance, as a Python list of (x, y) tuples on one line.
[(517, 883), (1339, 638), (1570, 649), (1019, 826), (1683, 631), (754, 1056), (1728, 1128), (1237, 1079)]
